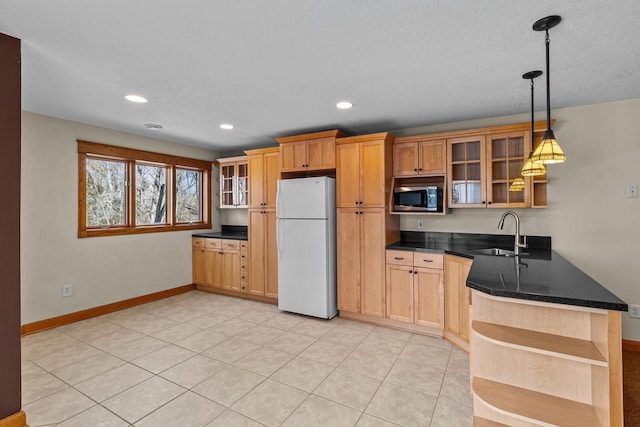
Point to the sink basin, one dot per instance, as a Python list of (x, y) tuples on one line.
[(495, 252)]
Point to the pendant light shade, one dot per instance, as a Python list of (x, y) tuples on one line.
[(517, 185), (549, 150), (530, 168)]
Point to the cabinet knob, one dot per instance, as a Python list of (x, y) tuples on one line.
[(489, 202), (483, 202), (415, 169), (419, 169), (410, 271), (415, 272)]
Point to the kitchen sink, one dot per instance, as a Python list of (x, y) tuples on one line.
[(496, 252)]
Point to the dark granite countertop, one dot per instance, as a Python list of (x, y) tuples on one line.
[(539, 274), (231, 232)]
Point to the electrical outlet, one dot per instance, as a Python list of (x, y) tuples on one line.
[(420, 224), (67, 290), (632, 191), (634, 311)]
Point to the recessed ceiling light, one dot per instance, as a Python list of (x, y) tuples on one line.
[(153, 126), (226, 126), (344, 105), (136, 98)]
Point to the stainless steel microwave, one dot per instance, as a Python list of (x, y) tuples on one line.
[(418, 199)]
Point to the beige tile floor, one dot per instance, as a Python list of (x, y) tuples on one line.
[(201, 359)]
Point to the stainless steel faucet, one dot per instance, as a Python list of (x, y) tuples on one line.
[(517, 245)]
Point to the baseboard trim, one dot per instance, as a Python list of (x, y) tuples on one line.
[(231, 293), (630, 345), (19, 419), (65, 319)]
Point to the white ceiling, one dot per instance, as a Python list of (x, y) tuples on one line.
[(277, 67)]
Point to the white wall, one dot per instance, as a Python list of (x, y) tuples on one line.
[(589, 217), (101, 269)]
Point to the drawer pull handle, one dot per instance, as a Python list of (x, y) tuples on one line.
[(399, 258), (427, 260)]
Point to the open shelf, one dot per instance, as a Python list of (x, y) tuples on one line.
[(534, 407), (539, 342)]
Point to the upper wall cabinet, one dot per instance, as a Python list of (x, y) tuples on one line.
[(234, 182), (414, 156), (264, 172), (308, 152)]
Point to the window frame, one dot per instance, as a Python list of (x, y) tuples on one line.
[(131, 157)]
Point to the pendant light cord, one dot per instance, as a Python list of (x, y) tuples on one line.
[(546, 42), (531, 116)]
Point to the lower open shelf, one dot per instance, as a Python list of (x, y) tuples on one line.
[(533, 407)]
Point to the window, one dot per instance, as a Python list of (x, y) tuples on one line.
[(127, 191)]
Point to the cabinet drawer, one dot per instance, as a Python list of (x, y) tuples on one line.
[(421, 259), (232, 245), (400, 257), (214, 243), (197, 241)]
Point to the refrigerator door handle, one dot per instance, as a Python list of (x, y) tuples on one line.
[(279, 237)]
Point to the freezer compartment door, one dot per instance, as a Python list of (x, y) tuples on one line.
[(305, 197), (306, 281)]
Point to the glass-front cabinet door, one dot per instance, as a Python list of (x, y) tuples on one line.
[(506, 154), (466, 172), (234, 182)]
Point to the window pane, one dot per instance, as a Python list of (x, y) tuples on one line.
[(188, 195), (106, 193), (151, 196)]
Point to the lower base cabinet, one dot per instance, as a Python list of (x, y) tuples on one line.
[(457, 298), (220, 264), (415, 294)]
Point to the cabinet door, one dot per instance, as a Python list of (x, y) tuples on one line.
[(293, 156), (242, 185), (456, 296), (321, 153), (433, 156), (271, 253), (271, 176), (372, 259), (466, 172), (372, 183), (256, 180), (348, 263), (347, 175), (428, 288), (506, 154), (214, 267), (198, 259), (400, 292), (231, 270), (405, 159), (227, 184), (256, 250)]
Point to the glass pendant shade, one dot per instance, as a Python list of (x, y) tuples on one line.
[(532, 169), (517, 185), (548, 151)]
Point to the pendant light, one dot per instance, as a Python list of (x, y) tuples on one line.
[(549, 150), (530, 168), (517, 184)]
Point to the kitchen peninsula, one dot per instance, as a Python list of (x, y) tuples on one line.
[(545, 338)]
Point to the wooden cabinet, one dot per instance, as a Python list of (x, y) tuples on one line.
[(574, 361), (263, 253), (457, 300), (264, 173), (415, 294), (364, 226), (481, 169), (308, 152), (362, 177), (413, 156), (198, 258), (216, 263), (234, 182)]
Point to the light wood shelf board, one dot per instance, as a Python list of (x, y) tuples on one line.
[(540, 342), (531, 406), (483, 422)]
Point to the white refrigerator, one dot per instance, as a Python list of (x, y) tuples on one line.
[(306, 238)]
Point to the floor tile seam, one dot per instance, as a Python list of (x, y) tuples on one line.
[(455, 402), (248, 391), (324, 398), (169, 401), (107, 409)]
